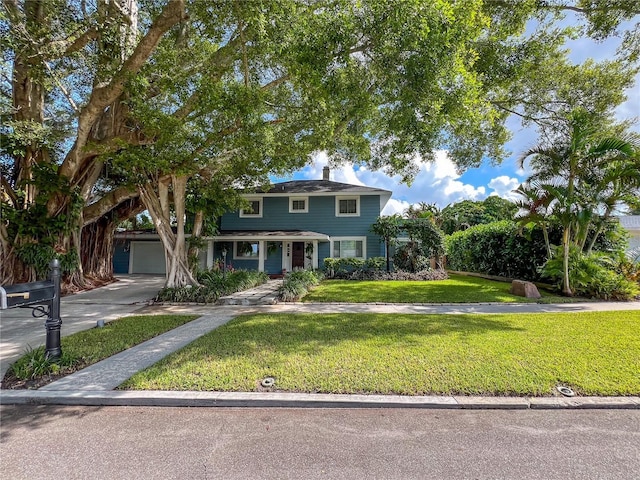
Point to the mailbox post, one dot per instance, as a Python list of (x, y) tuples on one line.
[(44, 299), (53, 349)]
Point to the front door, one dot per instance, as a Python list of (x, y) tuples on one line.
[(297, 257)]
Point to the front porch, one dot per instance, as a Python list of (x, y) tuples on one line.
[(273, 252)]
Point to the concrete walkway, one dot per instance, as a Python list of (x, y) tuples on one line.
[(265, 294), (95, 385)]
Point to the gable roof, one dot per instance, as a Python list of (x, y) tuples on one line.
[(322, 186)]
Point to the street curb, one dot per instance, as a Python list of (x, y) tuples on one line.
[(304, 400)]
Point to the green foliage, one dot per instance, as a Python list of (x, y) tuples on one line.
[(388, 228), (374, 263), (411, 257), (214, 284), (593, 275), (33, 364), (500, 249), (465, 214), (586, 167), (341, 267), (429, 236), (252, 89), (337, 266), (297, 283)]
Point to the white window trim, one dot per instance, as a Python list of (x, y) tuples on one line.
[(241, 257), (253, 215), (306, 204), (350, 197), (364, 245)]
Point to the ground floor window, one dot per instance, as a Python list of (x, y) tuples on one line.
[(246, 249), (352, 247)]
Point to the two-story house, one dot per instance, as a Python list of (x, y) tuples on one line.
[(299, 223), (295, 224)]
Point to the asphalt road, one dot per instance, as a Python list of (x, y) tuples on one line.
[(220, 443)]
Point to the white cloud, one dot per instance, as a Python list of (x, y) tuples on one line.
[(395, 206), (503, 186), (436, 182)]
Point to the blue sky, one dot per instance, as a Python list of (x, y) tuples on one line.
[(439, 183)]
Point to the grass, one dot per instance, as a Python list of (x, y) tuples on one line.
[(594, 353), (84, 348), (456, 289)]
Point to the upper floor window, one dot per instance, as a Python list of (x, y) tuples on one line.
[(347, 206), (254, 210), (298, 205)]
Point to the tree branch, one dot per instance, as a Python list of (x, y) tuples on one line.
[(95, 211), (101, 96)]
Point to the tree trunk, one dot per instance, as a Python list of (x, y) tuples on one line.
[(386, 243), (545, 234), (566, 284), (98, 240), (194, 250), (178, 272)]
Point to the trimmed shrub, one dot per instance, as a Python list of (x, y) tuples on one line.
[(297, 283), (425, 275), (335, 267)]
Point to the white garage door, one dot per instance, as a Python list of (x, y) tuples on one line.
[(147, 257)]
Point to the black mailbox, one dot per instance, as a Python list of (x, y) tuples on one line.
[(38, 296), (23, 294)]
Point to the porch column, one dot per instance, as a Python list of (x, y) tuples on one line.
[(262, 245), (314, 258), (209, 254)]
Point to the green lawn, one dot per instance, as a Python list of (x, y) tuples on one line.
[(457, 289), (595, 353), (84, 348)]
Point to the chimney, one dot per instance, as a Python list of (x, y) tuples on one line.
[(325, 173)]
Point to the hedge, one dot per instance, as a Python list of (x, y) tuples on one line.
[(499, 248)]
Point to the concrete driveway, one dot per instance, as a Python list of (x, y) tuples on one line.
[(19, 330)]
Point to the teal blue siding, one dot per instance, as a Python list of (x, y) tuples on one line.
[(321, 218), (121, 257), (273, 262), (250, 264)]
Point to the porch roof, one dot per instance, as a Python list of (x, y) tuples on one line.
[(270, 235)]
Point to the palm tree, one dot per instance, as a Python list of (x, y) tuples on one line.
[(619, 185), (535, 208), (564, 168)]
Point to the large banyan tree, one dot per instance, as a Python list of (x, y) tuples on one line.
[(111, 107)]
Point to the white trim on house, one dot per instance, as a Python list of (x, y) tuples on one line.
[(258, 199), (340, 198), (293, 199), (342, 239)]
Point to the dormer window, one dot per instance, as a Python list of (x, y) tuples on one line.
[(347, 206), (254, 210), (298, 204)]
